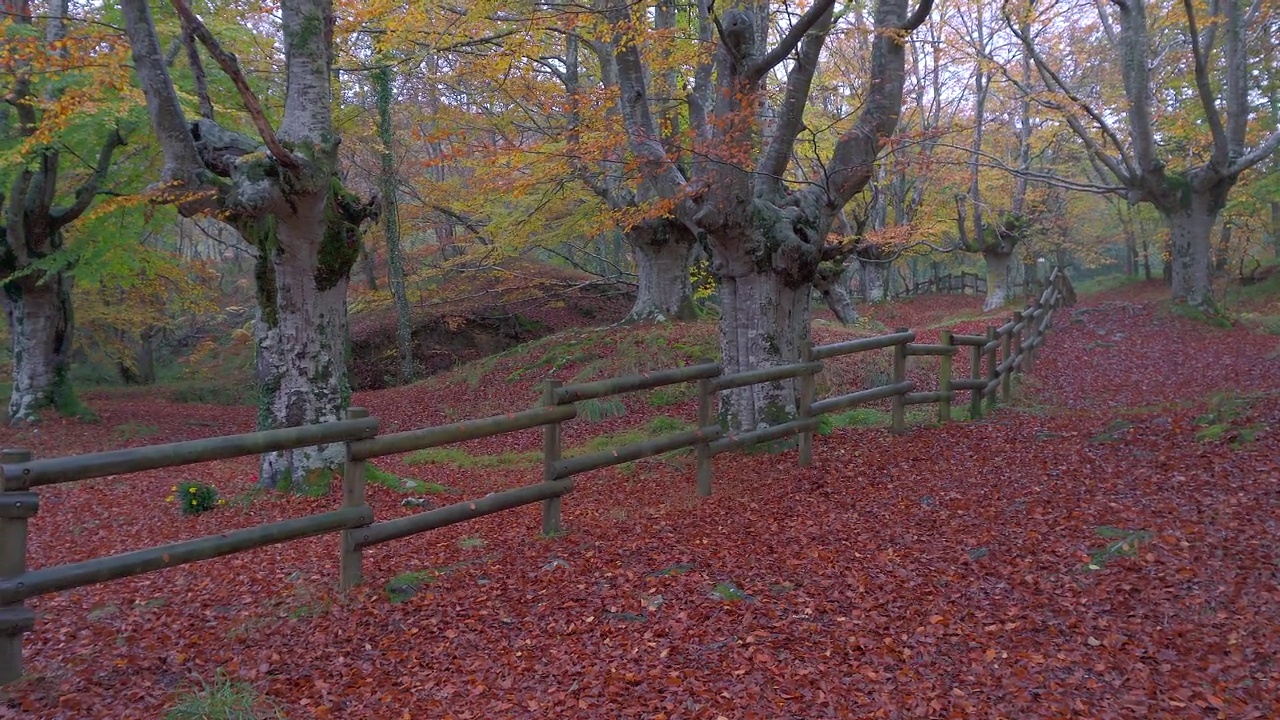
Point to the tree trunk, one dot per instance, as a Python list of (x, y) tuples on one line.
[(1223, 252), (875, 281), (1146, 258), (301, 363), (1190, 265), (762, 324), (997, 280), (40, 325), (389, 184), (370, 272), (1275, 226), (1130, 253), (662, 252)]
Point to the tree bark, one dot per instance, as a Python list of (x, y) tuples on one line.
[(1275, 227), (662, 251), (1190, 267), (762, 323), (285, 197), (40, 325), (301, 360), (875, 281), (998, 292)]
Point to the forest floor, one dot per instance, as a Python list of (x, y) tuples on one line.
[(1108, 545)]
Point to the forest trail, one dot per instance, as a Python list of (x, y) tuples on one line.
[(1104, 547)]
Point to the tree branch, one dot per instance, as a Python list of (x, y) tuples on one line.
[(1205, 91), (182, 165), (231, 66), (799, 81), (811, 17), (1255, 156), (89, 188), (197, 72)]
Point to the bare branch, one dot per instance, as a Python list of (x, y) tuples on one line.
[(1255, 156), (799, 81), (181, 161), (1205, 91), (89, 188), (197, 73), (231, 66), (811, 17)]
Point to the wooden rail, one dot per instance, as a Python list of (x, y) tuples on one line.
[(1002, 351)]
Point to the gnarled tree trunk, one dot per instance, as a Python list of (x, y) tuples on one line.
[(38, 309), (301, 362), (662, 250)]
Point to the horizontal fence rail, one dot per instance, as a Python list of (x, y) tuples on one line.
[(994, 358), (411, 440), (83, 467)]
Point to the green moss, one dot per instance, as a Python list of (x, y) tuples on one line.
[(340, 246)]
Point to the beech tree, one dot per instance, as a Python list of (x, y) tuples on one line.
[(49, 187), (766, 238), (282, 192), (1183, 166)]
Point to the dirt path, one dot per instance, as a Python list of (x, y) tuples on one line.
[(944, 573)]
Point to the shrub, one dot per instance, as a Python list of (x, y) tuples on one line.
[(194, 498)]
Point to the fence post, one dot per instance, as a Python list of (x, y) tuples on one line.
[(550, 456), (975, 374), (350, 564), (704, 447), (807, 383), (17, 504), (899, 375), (993, 371), (1029, 362), (1017, 341), (944, 379), (1006, 380)]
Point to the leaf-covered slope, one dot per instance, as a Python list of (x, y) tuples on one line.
[(1073, 558)]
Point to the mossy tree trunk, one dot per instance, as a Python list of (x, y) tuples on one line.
[(664, 289), (38, 308), (285, 197)]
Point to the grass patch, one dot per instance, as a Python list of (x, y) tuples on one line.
[(377, 476), (222, 699), (669, 395), (663, 425), (460, 458), (1124, 543), (406, 585), (1226, 420), (1214, 318), (600, 409), (728, 592)]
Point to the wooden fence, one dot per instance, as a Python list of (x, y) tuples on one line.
[(1001, 351)]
